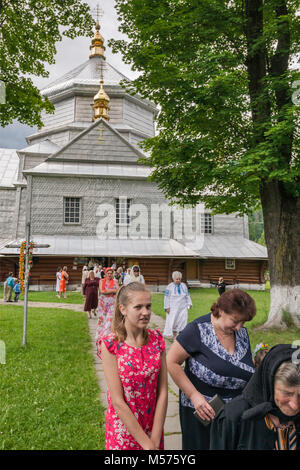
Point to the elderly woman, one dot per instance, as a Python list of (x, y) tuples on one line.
[(177, 301), (216, 351), (108, 288), (267, 414), (90, 291), (135, 276)]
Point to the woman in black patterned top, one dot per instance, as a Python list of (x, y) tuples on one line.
[(217, 356)]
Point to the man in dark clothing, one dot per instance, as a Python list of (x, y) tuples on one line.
[(221, 286), (267, 414)]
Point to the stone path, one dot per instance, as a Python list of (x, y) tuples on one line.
[(172, 426)]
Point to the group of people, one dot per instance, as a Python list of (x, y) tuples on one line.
[(100, 286), (11, 285), (62, 278), (260, 391)]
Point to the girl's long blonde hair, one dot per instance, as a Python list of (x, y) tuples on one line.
[(124, 297)]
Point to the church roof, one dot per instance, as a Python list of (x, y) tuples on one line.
[(228, 246), (45, 147), (81, 169), (66, 245), (87, 73), (9, 166)]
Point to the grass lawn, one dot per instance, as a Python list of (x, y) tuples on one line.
[(72, 297), (204, 298), (49, 393)]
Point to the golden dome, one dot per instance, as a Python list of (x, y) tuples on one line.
[(97, 48), (101, 104)]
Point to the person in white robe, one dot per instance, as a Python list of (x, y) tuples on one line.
[(177, 301)]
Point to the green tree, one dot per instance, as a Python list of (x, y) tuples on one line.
[(256, 226), (29, 30), (261, 239), (222, 73)]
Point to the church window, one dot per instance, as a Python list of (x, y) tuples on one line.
[(229, 263), (72, 206), (206, 223), (122, 211)]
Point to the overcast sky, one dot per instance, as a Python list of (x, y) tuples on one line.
[(70, 54)]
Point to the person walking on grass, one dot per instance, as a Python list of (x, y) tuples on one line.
[(90, 292), (63, 282), (177, 301), (16, 290), (134, 364), (58, 279), (108, 289), (10, 284)]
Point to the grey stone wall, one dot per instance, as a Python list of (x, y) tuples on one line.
[(64, 113), (7, 211), (84, 109), (147, 218), (30, 161), (48, 196), (138, 117), (22, 214), (228, 224)]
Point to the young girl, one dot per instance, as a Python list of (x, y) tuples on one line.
[(135, 369)]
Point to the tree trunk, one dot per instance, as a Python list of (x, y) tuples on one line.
[(281, 210), (282, 233)]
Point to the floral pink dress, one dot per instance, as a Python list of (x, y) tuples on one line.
[(106, 312), (139, 369)]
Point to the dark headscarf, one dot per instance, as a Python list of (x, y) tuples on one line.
[(259, 392)]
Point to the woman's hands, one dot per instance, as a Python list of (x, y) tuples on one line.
[(152, 444), (167, 310), (204, 410)]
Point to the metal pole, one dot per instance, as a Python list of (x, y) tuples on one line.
[(26, 282)]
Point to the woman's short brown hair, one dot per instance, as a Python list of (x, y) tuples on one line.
[(235, 301)]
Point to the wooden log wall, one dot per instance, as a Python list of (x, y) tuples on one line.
[(8, 265), (245, 272), (44, 270), (156, 271)]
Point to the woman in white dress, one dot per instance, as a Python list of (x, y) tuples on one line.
[(58, 278), (177, 301)]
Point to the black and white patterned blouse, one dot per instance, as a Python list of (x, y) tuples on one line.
[(210, 367)]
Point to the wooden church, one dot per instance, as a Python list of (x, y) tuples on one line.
[(81, 186)]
